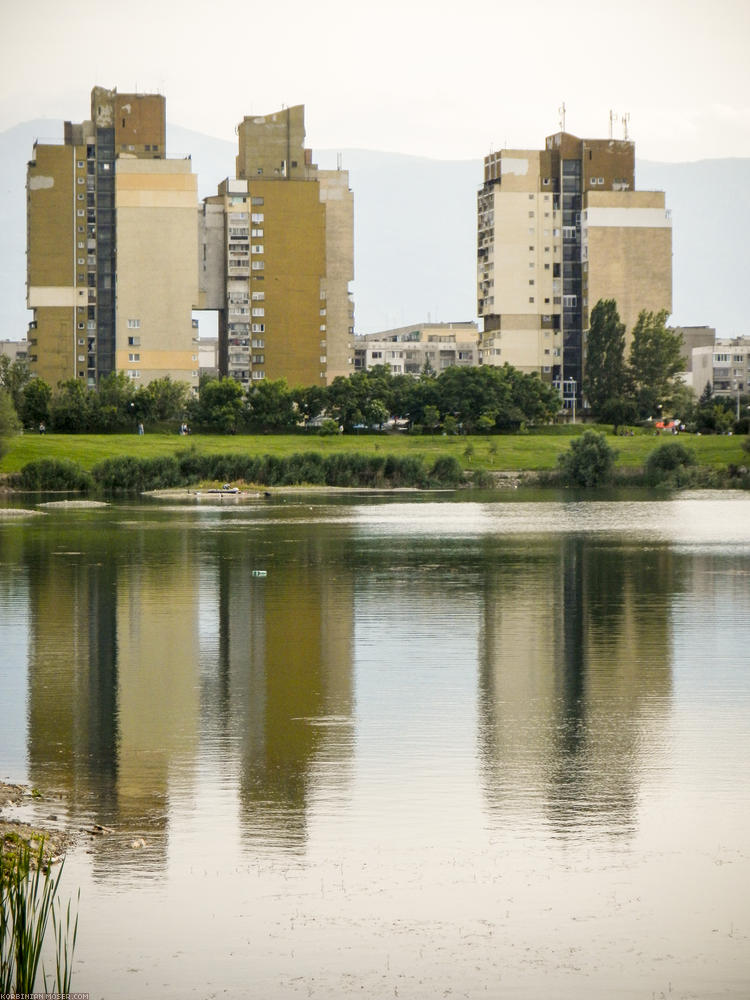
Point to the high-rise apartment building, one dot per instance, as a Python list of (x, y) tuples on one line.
[(276, 249), (559, 229), (120, 253), (112, 248)]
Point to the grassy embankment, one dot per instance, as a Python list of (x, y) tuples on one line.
[(535, 451)]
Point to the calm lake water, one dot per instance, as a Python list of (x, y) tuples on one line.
[(441, 748)]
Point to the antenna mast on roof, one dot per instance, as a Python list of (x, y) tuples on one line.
[(561, 112), (625, 119)]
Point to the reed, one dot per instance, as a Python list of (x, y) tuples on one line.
[(28, 901)]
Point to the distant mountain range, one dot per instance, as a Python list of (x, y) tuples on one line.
[(415, 230)]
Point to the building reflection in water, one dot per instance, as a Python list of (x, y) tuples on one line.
[(283, 677), (153, 643), (575, 677), (113, 695)]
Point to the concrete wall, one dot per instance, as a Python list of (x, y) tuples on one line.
[(157, 252), (336, 196), (627, 252)]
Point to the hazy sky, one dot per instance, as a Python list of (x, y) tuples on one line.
[(435, 79)]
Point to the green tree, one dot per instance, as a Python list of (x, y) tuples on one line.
[(35, 403), (589, 461), (112, 408), (605, 372), (655, 361), (9, 422), (431, 418), (161, 400), (270, 406), (310, 402), (14, 376), (219, 406), (618, 411), (70, 408)]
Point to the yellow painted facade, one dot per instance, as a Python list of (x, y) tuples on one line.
[(51, 268)]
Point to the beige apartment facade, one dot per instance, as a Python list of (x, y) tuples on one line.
[(410, 350), (557, 230), (157, 279)]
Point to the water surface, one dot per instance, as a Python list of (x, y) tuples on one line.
[(485, 749)]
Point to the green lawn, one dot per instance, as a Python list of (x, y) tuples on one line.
[(536, 450)]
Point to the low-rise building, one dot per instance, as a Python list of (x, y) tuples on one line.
[(731, 366), (16, 350), (409, 350)]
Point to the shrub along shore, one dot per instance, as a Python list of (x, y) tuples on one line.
[(157, 461)]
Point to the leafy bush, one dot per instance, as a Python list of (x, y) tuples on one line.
[(665, 463), (589, 461), (447, 471), (52, 474), (305, 468), (129, 473)]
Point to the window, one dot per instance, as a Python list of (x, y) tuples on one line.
[(258, 327), (256, 201), (258, 265), (258, 359), (546, 267), (257, 375), (79, 164), (255, 232), (531, 298), (531, 281), (545, 181), (531, 248), (322, 326), (134, 373), (134, 341), (259, 312), (79, 212), (80, 180), (134, 357), (258, 343), (531, 215), (134, 324), (81, 326), (322, 312), (257, 216), (258, 296), (256, 248)]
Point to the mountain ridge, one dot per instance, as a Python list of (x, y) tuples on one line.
[(415, 229)]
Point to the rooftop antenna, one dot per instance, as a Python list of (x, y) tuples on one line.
[(625, 119), (561, 112), (338, 161), (612, 120)]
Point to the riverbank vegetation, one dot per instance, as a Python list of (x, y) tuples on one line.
[(533, 451), (571, 455)]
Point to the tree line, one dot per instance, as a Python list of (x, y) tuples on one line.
[(468, 400)]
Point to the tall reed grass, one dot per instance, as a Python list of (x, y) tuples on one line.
[(28, 902)]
